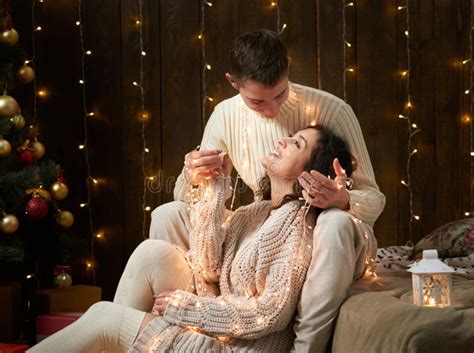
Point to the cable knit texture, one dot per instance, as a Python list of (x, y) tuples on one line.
[(248, 136), (248, 273)]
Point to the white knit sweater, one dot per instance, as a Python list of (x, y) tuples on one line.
[(247, 292), (247, 136)]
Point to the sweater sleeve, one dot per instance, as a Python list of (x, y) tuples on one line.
[(271, 309), (207, 235), (366, 201), (213, 138)]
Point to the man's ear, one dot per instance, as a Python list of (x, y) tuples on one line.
[(231, 80)]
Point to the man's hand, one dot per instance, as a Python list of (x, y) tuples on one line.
[(161, 301), (202, 165), (323, 192)]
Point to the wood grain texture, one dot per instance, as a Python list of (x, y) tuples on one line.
[(439, 39)]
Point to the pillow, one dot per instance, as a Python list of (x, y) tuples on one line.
[(454, 239)]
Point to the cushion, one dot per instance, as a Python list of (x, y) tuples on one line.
[(454, 239)]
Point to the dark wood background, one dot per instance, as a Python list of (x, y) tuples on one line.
[(173, 86)]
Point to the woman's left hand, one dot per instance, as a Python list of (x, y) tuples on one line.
[(161, 302), (323, 192)]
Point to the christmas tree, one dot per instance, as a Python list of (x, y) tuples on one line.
[(32, 224)]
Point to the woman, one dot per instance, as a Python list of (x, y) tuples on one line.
[(238, 287)]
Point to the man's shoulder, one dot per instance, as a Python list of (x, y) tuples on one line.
[(315, 93), (229, 103)]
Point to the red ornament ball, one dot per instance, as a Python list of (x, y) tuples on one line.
[(26, 157), (36, 208)]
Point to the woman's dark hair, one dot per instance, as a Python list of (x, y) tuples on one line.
[(259, 56), (328, 148)]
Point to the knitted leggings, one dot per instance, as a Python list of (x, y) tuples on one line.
[(155, 266)]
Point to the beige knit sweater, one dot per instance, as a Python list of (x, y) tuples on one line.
[(248, 274), (247, 136)]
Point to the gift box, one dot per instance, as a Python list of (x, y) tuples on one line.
[(10, 311), (13, 348), (71, 299), (47, 324)]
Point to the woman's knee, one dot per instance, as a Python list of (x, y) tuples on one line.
[(335, 225), (166, 218)]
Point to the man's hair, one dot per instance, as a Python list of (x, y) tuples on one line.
[(259, 56)]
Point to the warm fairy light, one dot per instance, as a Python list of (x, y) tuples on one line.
[(348, 44), (210, 99), (78, 23), (147, 208), (90, 114), (409, 105), (89, 264), (414, 126), (413, 152), (152, 178), (88, 52), (405, 183), (208, 67), (283, 27), (81, 147), (29, 276), (400, 116), (99, 235), (472, 154), (81, 82), (200, 36), (404, 73), (350, 69), (467, 214), (143, 53), (400, 8), (208, 3), (95, 181), (42, 93), (350, 4), (464, 62), (466, 119), (82, 205), (147, 150), (406, 33), (467, 91), (138, 22), (416, 217), (135, 83), (38, 28), (27, 62)]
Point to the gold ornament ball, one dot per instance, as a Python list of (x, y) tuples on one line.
[(9, 224), (62, 280), (59, 190), (64, 219), (8, 107), (25, 74), (5, 148), (38, 149), (19, 121), (9, 37)]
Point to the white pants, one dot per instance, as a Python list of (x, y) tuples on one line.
[(155, 266), (341, 247)]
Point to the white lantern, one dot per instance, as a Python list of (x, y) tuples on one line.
[(431, 281)]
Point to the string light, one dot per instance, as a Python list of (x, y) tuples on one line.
[(413, 128), (345, 44), (89, 263), (467, 118)]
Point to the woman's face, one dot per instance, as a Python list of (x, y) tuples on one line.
[(291, 154)]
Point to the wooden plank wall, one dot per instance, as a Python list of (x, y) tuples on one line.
[(174, 83)]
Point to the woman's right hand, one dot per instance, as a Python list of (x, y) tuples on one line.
[(203, 165)]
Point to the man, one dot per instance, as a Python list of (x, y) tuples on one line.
[(246, 127)]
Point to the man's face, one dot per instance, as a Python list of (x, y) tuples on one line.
[(262, 99)]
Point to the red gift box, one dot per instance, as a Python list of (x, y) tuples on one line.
[(13, 348), (47, 324)]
